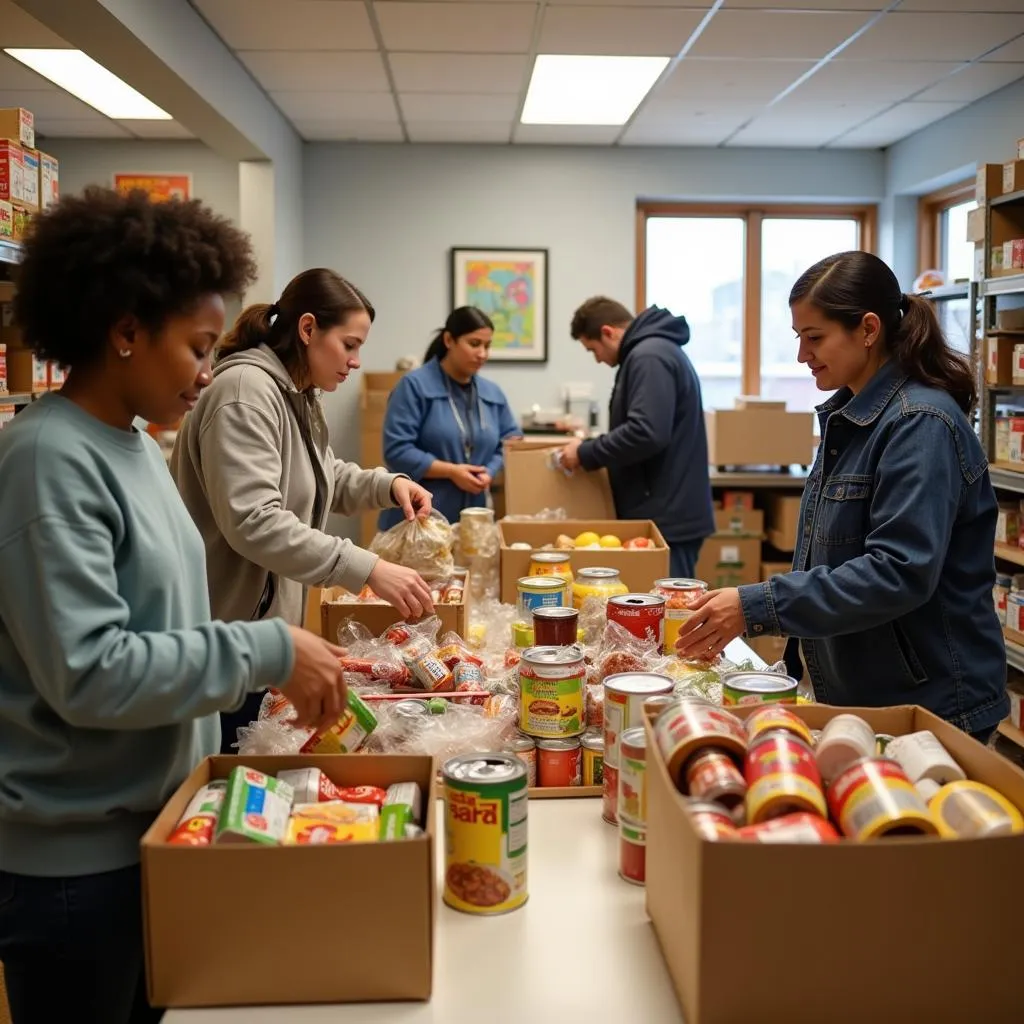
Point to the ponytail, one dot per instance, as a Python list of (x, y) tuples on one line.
[(253, 328), (437, 348)]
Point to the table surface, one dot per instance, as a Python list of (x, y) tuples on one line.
[(582, 949)]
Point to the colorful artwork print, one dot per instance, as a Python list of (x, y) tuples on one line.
[(510, 286), (159, 187)]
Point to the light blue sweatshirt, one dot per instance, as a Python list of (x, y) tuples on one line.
[(110, 669)]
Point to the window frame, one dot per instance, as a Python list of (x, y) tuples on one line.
[(930, 209), (753, 216)]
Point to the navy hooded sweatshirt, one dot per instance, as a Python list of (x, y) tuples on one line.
[(656, 448)]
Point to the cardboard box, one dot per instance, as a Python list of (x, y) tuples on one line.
[(1016, 448), (976, 224), (1013, 176), (10, 335), (1015, 611), (382, 380), (737, 500), (12, 171), (727, 561), (26, 371), (989, 183), (770, 569), (999, 364), (6, 220), (531, 484), (30, 179), (18, 124), (241, 925), (1002, 439), (56, 375), (1010, 319), (1017, 364), (21, 220), (759, 437), (882, 914), (49, 180), (739, 522), (378, 617), (757, 402), (638, 568), (783, 521), (1007, 525)]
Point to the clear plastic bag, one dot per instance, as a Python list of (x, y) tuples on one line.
[(421, 544)]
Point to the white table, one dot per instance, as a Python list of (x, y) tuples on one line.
[(581, 951)]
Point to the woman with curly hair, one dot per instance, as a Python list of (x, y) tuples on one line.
[(111, 672)]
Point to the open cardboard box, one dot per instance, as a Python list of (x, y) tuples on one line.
[(531, 484), (638, 568), (915, 929), (249, 925)]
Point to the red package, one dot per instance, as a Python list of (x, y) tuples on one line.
[(386, 671), (196, 826), (361, 795), (453, 651)]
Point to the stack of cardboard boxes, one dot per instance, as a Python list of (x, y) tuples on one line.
[(998, 231), (1004, 367)]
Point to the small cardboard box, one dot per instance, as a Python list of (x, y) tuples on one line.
[(1002, 439), (976, 221), (378, 617), (26, 371), (49, 180), (30, 179), (12, 171), (638, 568), (770, 569), (231, 925), (999, 359), (1010, 319), (1013, 176), (727, 561), (1008, 525), (18, 124), (1017, 364), (531, 484), (1016, 430), (784, 521), (738, 499), (759, 437), (893, 916), (739, 522), (989, 183)]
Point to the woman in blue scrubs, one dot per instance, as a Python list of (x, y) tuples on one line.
[(445, 425)]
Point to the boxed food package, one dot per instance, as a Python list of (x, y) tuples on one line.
[(22, 219), (739, 522), (382, 895), (30, 179), (1015, 611), (1016, 447), (1008, 524), (49, 180), (6, 220), (784, 521), (1013, 176), (18, 124), (759, 437), (999, 364), (26, 371), (55, 375), (899, 918), (12, 171), (976, 221), (1013, 256), (1017, 364), (1002, 439), (989, 183), (996, 261)]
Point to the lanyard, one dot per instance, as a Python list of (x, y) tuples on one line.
[(466, 429)]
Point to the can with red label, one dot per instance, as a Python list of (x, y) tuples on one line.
[(633, 852), (713, 775), (643, 615), (632, 802), (711, 821), (692, 724), (874, 797), (782, 778), (525, 748), (792, 828), (558, 762), (610, 793), (775, 716)]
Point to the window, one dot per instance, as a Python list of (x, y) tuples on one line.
[(729, 271)]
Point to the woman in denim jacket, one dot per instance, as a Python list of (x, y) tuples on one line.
[(891, 589)]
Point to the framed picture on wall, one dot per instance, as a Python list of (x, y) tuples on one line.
[(511, 287), (158, 187)]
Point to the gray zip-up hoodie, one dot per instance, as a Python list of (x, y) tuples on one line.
[(254, 467)]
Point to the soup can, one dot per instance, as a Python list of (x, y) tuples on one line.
[(540, 592), (711, 821), (792, 828), (551, 563), (558, 762), (688, 726), (555, 627), (782, 778), (485, 811), (712, 775), (624, 697), (552, 702), (846, 738), (633, 852), (632, 802), (873, 797), (757, 688), (643, 615), (680, 597), (525, 748), (775, 716), (593, 758), (965, 809)]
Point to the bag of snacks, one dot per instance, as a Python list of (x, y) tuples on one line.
[(421, 544)]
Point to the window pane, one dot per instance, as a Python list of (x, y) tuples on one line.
[(694, 268), (957, 252), (788, 247)]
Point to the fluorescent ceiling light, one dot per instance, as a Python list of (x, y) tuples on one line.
[(81, 76), (571, 89)]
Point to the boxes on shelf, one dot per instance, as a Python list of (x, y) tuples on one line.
[(1008, 524), (49, 180), (18, 124), (22, 219), (10, 335), (1002, 439), (739, 522), (759, 436), (30, 179), (784, 521), (6, 220), (1016, 694), (999, 363), (26, 371), (385, 891), (1010, 319), (1016, 445), (694, 886), (1015, 611), (1017, 364), (976, 222), (989, 183), (56, 375), (732, 555), (741, 500), (770, 569), (1011, 259), (1013, 176)]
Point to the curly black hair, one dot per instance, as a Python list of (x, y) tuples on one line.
[(99, 256)]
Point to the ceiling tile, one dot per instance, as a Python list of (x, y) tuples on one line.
[(812, 5), (460, 131), (15, 76), (688, 123), (697, 5), (963, 6), (975, 81), (896, 124), (708, 133), (53, 103), (349, 131), (900, 36), (1011, 52), (566, 134), (289, 70), (20, 29), (73, 128), (327, 106), (664, 110), (873, 80), (804, 123), (798, 36), (295, 25), (711, 79), (426, 106), (157, 129), (643, 32), (456, 27), (458, 72)]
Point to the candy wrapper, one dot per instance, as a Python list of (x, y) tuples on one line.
[(421, 544)]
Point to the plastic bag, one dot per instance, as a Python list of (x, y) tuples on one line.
[(421, 544), (620, 651), (441, 729)]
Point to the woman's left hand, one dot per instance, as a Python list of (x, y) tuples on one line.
[(415, 501), (716, 621)]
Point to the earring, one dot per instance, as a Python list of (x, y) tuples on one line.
[(125, 353)]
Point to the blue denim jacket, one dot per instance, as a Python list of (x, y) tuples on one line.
[(891, 593)]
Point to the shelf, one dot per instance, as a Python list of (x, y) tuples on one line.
[(16, 398), (1009, 553), (1003, 285), (947, 292), (1011, 197), (1014, 649), (1008, 730), (10, 252), (1006, 477), (764, 478)]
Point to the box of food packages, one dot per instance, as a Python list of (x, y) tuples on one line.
[(883, 913), (759, 437), (635, 547), (18, 124), (1017, 364), (999, 366), (49, 180), (533, 480), (267, 911)]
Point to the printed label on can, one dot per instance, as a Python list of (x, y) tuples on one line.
[(632, 805), (643, 615), (689, 725), (874, 797), (633, 852), (593, 767), (552, 700), (610, 793), (558, 766), (782, 777)]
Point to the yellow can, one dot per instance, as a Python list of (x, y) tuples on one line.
[(597, 582), (551, 563)]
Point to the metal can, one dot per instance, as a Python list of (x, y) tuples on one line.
[(711, 821), (598, 581), (643, 615), (633, 852), (966, 809), (525, 749), (845, 739), (540, 592), (757, 688), (420, 657), (555, 627), (558, 762), (552, 701), (687, 726), (609, 792), (653, 706), (632, 802), (873, 797), (551, 563), (782, 778), (680, 597), (712, 775), (775, 716), (792, 828), (593, 758), (486, 803)]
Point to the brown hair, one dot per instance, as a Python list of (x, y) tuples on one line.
[(596, 313), (849, 285), (321, 292)]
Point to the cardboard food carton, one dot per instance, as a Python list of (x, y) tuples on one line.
[(1002, 439), (759, 436), (1013, 176), (30, 179), (999, 365), (989, 183), (784, 521), (718, 905), (18, 124), (49, 180), (1016, 447), (976, 221), (1007, 525), (532, 483), (727, 561)]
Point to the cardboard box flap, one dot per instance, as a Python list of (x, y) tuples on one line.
[(532, 485)]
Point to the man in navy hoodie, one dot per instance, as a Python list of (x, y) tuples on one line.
[(656, 449)]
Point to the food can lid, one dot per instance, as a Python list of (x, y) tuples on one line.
[(490, 767), (550, 557), (635, 737), (561, 743), (555, 612), (593, 741), (637, 600), (759, 682), (639, 683), (553, 655), (596, 573), (681, 584), (541, 583)]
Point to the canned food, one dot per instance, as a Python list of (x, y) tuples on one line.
[(782, 778), (632, 802), (711, 821), (624, 696), (687, 726), (633, 852), (643, 615), (680, 597), (873, 797), (845, 739), (555, 627), (712, 775), (525, 749), (551, 692), (653, 706), (792, 828), (540, 592), (598, 581), (486, 804), (922, 756), (757, 688), (972, 810), (609, 793), (775, 716), (593, 758), (421, 659), (558, 762), (882, 741), (551, 563)]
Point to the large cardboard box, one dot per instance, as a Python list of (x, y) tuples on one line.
[(246, 925), (783, 520), (532, 485), (1013, 176), (727, 561), (759, 437), (638, 568), (887, 931), (378, 617)]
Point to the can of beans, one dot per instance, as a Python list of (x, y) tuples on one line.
[(712, 775), (643, 615), (711, 821), (558, 762), (525, 748), (688, 725), (873, 797), (845, 739), (555, 627), (592, 746), (632, 801), (633, 852), (792, 828), (776, 716), (782, 778), (540, 592)]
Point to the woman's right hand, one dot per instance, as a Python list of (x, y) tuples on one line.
[(402, 588), (316, 687), (471, 479)]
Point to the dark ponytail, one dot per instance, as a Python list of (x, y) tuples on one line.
[(463, 320), (847, 286)]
